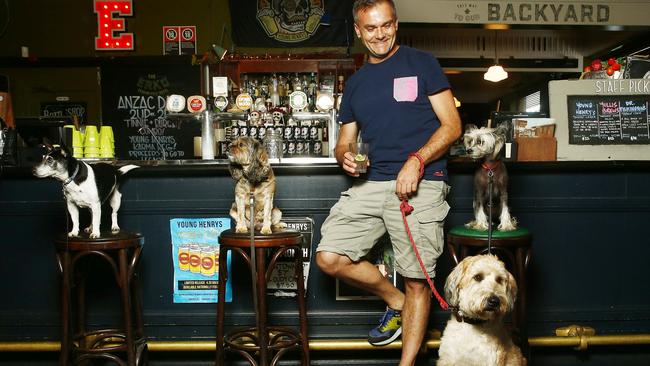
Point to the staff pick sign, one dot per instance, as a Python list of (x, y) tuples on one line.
[(110, 25)]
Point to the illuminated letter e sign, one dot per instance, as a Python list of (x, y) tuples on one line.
[(110, 29)]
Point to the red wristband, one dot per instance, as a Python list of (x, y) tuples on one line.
[(421, 160)]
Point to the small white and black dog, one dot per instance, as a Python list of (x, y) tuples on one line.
[(481, 292), (84, 185), (250, 168), (486, 143)]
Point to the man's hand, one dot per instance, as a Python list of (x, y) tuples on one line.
[(348, 164), (408, 179)]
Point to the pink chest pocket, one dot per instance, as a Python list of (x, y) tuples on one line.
[(405, 89)]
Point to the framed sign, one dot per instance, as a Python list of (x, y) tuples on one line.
[(601, 119), (65, 109)]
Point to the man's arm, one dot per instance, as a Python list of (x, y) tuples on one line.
[(347, 133), (450, 127), (449, 131)]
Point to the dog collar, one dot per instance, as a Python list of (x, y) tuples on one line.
[(464, 319), (72, 177), (492, 165)]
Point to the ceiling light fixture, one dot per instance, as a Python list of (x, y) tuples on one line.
[(496, 72)]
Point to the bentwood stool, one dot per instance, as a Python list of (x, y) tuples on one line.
[(513, 247), (268, 342), (79, 344)]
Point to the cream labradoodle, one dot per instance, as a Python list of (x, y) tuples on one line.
[(481, 291)]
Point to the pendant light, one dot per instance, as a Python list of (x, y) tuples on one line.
[(496, 72)]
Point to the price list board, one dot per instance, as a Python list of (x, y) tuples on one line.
[(133, 103), (609, 120)]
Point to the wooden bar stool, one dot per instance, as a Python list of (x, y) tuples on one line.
[(78, 344), (513, 248), (269, 342)]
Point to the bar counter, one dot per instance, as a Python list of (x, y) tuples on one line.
[(589, 267)]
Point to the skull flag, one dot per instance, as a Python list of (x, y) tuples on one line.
[(295, 23)]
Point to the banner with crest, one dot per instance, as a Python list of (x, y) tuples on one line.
[(293, 23)]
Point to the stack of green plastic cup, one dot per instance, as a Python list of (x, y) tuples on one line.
[(77, 144), (91, 143), (106, 142)]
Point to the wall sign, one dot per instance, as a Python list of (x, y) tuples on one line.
[(195, 257), (282, 282), (65, 109), (111, 27), (535, 12), (179, 40)]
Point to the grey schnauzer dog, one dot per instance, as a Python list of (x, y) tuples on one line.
[(486, 143)]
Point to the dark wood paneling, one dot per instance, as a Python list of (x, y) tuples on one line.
[(589, 262)]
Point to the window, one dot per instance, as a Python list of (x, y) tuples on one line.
[(530, 103)]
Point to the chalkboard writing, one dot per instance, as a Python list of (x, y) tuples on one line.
[(64, 109), (133, 102), (616, 119)]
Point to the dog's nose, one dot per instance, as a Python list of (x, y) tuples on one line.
[(493, 302), (469, 151)]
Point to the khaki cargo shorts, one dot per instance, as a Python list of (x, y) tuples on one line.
[(370, 208)]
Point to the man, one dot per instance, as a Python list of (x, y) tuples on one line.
[(400, 103)]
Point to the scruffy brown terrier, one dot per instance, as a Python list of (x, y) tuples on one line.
[(250, 168)]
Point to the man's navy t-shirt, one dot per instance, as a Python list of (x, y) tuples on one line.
[(389, 101)]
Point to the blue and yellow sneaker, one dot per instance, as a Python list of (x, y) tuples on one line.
[(388, 330)]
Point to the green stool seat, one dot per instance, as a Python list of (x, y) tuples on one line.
[(513, 248), (463, 231)]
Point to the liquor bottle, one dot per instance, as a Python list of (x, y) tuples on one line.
[(281, 89), (296, 83), (287, 92), (256, 89), (304, 84), (275, 95), (264, 88), (312, 92), (245, 85), (340, 86), (339, 91)]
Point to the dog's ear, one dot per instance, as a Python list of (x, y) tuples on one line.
[(470, 127), (65, 150), (499, 141), (453, 282), (47, 145), (260, 167), (236, 172), (511, 288)]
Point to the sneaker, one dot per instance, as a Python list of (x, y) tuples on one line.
[(388, 330)]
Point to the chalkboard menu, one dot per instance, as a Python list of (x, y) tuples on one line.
[(615, 119), (133, 103)]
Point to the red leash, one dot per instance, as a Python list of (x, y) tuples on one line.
[(406, 210)]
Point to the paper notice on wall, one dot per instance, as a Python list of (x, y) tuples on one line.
[(283, 281), (195, 254)]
